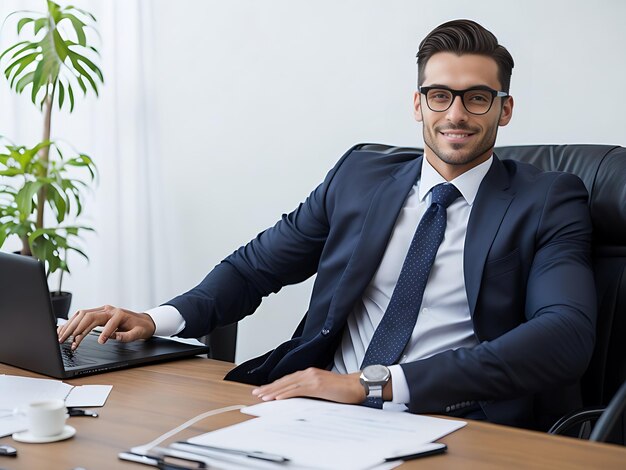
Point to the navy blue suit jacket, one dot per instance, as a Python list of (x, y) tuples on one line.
[(527, 274)]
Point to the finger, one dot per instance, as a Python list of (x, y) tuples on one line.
[(66, 330), (87, 323), (111, 327), (285, 384), (276, 385), (77, 338), (290, 391), (127, 336)]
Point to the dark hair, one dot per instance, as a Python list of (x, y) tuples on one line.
[(465, 37)]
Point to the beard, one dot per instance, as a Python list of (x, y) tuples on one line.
[(459, 153)]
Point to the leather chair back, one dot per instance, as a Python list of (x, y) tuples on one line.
[(602, 169)]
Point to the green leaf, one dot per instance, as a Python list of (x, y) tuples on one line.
[(28, 47), (17, 57), (24, 197), (27, 157), (40, 24), (84, 12), (4, 233), (70, 92), (80, 81), (78, 28), (61, 94), (11, 172), (58, 202), (80, 252), (13, 47), (23, 22), (54, 10), (60, 47), (38, 81), (24, 82), (91, 66), (74, 57), (23, 63)]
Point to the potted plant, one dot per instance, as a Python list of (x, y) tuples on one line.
[(49, 178)]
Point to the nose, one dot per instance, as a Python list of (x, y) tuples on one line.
[(457, 112)]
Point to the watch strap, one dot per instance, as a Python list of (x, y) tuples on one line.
[(373, 402)]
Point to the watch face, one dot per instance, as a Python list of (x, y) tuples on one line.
[(376, 373)]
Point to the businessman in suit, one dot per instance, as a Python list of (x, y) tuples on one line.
[(505, 324)]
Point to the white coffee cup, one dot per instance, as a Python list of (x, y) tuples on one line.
[(46, 418)]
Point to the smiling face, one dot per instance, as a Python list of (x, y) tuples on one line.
[(455, 139)]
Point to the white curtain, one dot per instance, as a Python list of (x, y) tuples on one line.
[(128, 262)]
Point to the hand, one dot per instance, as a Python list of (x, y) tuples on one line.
[(317, 383), (119, 324)]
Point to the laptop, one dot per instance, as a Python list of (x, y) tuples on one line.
[(28, 337)]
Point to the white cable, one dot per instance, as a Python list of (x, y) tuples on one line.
[(146, 447)]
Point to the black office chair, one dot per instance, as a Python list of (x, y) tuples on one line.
[(223, 343), (603, 171)]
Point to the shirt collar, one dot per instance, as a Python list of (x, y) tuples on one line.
[(467, 183)]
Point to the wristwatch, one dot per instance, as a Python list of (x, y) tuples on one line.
[(374, 378)]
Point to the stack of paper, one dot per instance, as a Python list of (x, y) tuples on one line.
[(305, 433)]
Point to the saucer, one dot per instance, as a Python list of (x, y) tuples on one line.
[(25, 436)]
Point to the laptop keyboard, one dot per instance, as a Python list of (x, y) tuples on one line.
[(72, 358)]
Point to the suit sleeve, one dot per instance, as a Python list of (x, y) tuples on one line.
[(553, 346), (284, 254)]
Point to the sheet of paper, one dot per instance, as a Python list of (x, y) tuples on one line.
[(313, 433), (224, 461), (17, 392), (88, 395)]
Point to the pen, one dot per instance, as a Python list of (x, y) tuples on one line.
[(144, 459), (253, 454), (158, 462), (428, 449), (80, 412)]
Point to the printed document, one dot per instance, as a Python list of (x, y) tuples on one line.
[(319, 434)]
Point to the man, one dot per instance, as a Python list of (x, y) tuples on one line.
[(501, 326)]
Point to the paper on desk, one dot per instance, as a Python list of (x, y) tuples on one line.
[(319, 434), (225, 461), (17, 392)]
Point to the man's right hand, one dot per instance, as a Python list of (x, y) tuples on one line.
[(119, 324)]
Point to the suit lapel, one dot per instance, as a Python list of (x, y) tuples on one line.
[(377, 227), (491, 203)]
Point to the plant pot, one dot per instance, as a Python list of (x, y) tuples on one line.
[(61, 303)]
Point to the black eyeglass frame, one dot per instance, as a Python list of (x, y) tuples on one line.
[(461, 93)]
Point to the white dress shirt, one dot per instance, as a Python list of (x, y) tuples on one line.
[(444, 320)]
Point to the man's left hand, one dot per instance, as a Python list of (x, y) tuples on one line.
[(316, 383)]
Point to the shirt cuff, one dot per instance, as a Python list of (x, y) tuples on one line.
[(167, 319), (399, 385)]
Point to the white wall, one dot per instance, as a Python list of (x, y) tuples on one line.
[(254, 101)]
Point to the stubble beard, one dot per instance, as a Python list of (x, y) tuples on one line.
[(456, 156)]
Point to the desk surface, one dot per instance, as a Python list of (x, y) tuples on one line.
[(148, 401)]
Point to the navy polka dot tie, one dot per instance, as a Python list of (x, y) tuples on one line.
[(398, 322)]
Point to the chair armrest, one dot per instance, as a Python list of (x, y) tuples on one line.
[(610, 416), (575, 418)]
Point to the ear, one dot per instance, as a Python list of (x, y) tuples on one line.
[(507, 111), (417, 106)]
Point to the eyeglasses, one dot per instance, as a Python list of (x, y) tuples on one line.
[(476, 100)]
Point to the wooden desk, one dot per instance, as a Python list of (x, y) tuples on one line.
[(146, 402)]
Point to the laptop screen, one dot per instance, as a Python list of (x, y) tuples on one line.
[(28, 338)]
